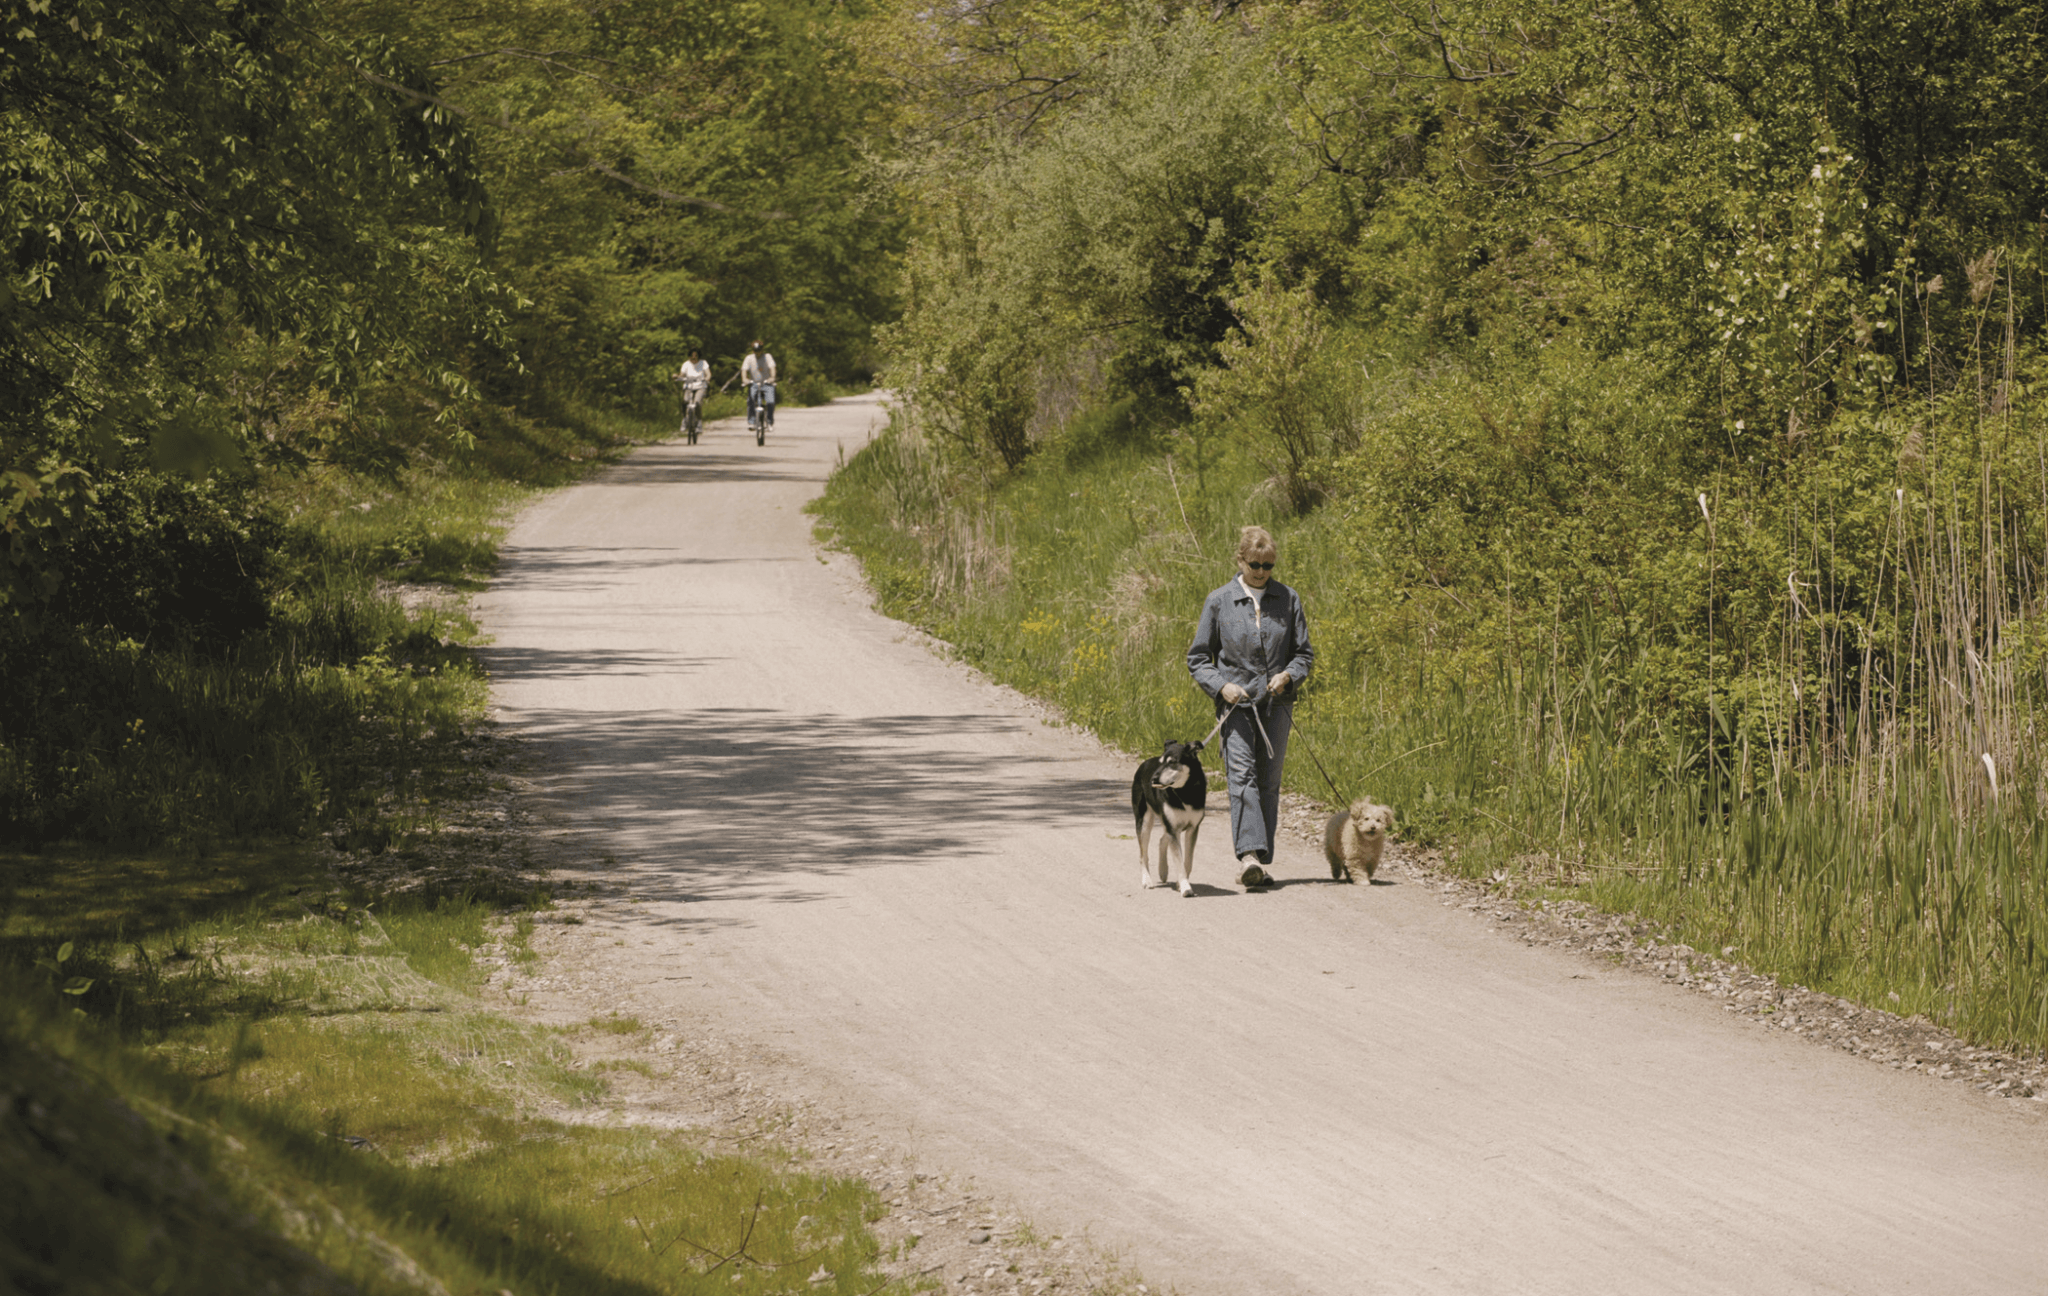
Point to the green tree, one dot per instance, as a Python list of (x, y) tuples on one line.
[(670, 174), (1121, 224), (177, 171)]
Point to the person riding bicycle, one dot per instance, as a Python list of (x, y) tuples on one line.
[(757, 371), (695, 376)]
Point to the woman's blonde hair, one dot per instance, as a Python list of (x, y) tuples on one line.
[(1255, 539)]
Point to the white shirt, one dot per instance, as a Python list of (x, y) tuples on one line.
[(757, 367), (695, 371), (1257, 597)]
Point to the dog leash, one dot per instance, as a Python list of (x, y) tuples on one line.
[(1269, 743), (1222, 719), (1318, 760), (1226, 716)]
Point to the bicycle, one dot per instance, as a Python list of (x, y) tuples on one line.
[(760, 409), (693, 408)]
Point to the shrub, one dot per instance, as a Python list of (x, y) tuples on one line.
[(161, 558)]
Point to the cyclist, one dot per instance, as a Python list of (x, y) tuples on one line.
[(695, 376), (757, 371)]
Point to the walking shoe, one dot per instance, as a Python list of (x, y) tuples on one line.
[(1253, 875)]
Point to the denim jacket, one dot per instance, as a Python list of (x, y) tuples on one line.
[(1234, 647)]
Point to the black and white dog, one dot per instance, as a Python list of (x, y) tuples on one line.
[(1167, 797)]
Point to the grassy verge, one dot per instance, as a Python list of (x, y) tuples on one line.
[(1078, 579), (233, 1076)]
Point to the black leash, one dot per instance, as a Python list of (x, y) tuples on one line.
[(1319, 763)]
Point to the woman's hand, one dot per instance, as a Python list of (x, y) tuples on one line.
[(1233, 694), (1278, 684)]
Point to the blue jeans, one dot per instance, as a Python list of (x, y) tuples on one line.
[(761, 399), (1254, 775)]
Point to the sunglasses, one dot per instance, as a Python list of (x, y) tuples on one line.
[(1260, 566)]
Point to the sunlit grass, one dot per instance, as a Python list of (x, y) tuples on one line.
[(324, 1068), (170, 941), (427, 1145)]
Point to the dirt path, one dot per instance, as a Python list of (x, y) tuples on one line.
[(889, 877)]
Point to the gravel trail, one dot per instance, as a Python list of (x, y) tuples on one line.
[(915, 899)]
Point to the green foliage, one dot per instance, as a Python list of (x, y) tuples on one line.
[(1284, 384), (1644, 398), (1115, 231), (178, 172), (37, 512), (670, 176), (1640, 315), (163, 558), (987, 75), (286, 234), (107, 739), (215, 674), (1135, 209)]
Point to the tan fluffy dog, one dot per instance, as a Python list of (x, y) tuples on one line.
[(1354, 838)]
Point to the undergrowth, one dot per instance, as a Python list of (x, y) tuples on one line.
[(292, 691), (220, 1070)]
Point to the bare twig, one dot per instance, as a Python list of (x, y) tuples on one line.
[(1183, 507), (1404, 756), (666, 196)]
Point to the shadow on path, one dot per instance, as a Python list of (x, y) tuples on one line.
[(730, 803), (672, 465), (565, 568), (529, 663)]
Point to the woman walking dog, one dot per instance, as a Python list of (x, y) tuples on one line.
[(1251, 652)]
